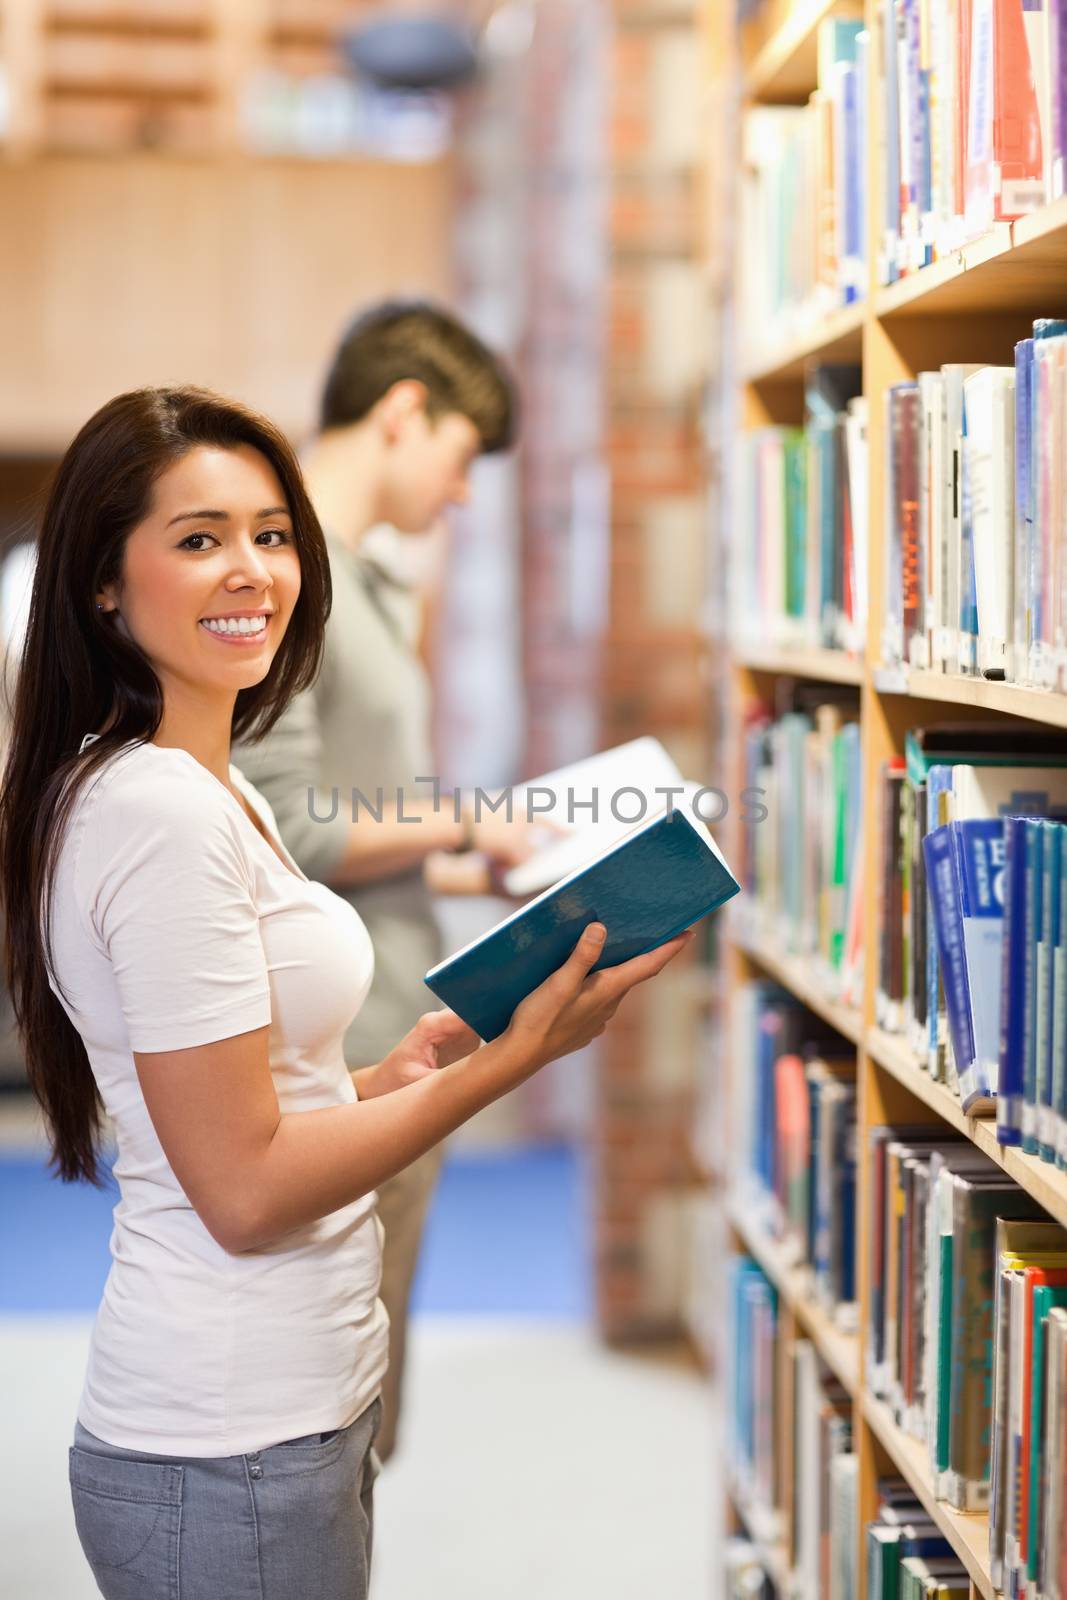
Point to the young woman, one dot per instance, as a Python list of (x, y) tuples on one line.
[(174, 970)]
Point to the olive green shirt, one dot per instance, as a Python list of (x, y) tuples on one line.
[(364, 725)]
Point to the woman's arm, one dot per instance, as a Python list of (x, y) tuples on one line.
[(253, 1173)]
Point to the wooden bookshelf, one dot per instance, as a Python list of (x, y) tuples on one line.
[(974, 304), (1035, 705), (836, 338)]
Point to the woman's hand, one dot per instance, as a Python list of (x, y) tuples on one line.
[(574, 1005), (436, 1040)]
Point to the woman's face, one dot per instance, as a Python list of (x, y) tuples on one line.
[(211, 576)]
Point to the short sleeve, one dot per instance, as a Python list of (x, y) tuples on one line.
[(172, 906)]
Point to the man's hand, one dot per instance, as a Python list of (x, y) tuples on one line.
[(436, 1040)]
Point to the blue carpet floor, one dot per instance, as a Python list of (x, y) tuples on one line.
[(508, 1234)]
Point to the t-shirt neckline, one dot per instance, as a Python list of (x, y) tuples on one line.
[(237, 776)]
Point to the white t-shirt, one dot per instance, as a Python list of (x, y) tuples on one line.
[(175, 924)]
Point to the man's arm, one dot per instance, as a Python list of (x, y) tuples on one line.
[(316, 823)]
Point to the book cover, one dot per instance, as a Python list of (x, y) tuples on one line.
[(1048, 939), (976, 1207), (1011, 1072), (989, 467), (943, 887), (1047, 1288), (1032, 989), (1023, 510), (980, 854), (660, 879), (1059, 1013), (1015, 1240)]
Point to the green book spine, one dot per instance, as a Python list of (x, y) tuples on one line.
[(1045, 1297)]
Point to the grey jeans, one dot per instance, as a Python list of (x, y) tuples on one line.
[(293, 1520)]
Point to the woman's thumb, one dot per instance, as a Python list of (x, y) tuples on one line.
[(586, 953)]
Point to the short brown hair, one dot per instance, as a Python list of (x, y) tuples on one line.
[(411, 339)]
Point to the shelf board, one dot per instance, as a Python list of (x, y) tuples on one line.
[(1038, 705), (838, 1349), (831, 666), (793, 973), (1016, 266), (1047, 1184), (838, 337), (785, 69), (968, 1534)]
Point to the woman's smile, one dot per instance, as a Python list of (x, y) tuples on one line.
[(247, 628)]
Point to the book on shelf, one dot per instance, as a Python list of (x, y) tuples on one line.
[(1028, 1504), (794, 1116), (936, 1205), (801, 554), (802, 864), (803, 196), (958, 773), (752, 1391), (972, 95), (975, 558), (824, 1527)]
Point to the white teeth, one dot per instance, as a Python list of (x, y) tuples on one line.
[(235, 624)]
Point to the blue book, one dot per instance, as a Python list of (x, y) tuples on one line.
[(938, 782), (1035, 850), (943, 888), (658, 880), (980, 857), (1011, 1082), (1047, 940)]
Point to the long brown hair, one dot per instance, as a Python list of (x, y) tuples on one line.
[(78, 673)]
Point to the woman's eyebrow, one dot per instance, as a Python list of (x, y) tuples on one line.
[(224, 516)]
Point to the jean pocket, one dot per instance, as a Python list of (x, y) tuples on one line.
[(128, 1517)]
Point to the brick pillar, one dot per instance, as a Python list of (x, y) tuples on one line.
[(654, 677)]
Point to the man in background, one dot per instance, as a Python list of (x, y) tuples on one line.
[(410, 402)]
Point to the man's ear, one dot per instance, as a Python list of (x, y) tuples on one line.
[(400, 406)]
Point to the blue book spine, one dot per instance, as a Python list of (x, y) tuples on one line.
[(863, 53), (815, 1125), (1011, 1082), (980, 862), (891, 219), (1050, 912), (1059, 1011), (852, 156), (938, 782), (943, 887), (1032, 926), (846, 1166), (1024, 502)]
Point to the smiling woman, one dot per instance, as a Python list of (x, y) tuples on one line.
[(172, 966)]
